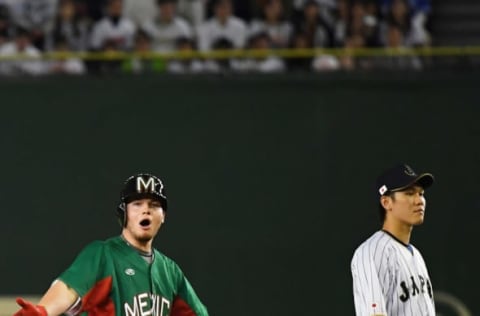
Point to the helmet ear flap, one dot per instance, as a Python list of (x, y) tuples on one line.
[(122, 214)]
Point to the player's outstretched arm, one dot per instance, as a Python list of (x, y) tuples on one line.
[(187, 303), (29, 309), (58, 299)]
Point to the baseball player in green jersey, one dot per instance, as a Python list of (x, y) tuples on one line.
[(123, 275)]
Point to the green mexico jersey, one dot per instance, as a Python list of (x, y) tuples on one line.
[(113, 279)]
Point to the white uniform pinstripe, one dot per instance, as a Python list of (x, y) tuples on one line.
[(390, 279)]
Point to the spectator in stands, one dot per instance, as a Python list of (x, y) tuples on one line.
[(139, 63), (139, 11), (419, 13), (114, 31), (412, 17), (318, 31), (355, 40), (420, 35), (110, 35), (371, 23), (260, 43), (259, 5), (398, 15), (396, 40), (363, 32), (21, 46), (300, 42), (341, 23), (326, 9), (415, 5), (222, 65), (95, 9), (299, 4), (242, 8), (273, 22), (223, 25), (325, 62), (186, 46), (307, 63), (166, 27), (65, 65), (36, 16), (193, 10), (69, 25), (5, 25), (364, 23)]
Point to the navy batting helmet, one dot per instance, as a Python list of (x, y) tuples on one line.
[(139, 186)]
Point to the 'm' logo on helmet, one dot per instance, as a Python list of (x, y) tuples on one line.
[(148, 186)]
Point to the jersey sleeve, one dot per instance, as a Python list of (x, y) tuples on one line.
[(84, 272), (186, 302), (370, 282)]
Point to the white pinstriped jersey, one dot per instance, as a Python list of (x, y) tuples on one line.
[(390, 278)]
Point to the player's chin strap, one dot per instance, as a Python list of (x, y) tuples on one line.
[(75, 308)]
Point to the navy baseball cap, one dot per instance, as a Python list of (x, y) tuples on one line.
[(401, 177)]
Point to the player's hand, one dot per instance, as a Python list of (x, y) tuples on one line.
[(28, 309)]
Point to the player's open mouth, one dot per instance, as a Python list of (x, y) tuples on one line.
[(145, 223)]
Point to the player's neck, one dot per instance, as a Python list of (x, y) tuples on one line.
[(143, 246), (401, 232)]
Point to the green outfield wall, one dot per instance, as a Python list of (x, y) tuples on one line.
[(269, 178)]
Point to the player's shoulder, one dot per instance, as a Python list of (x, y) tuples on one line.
[(96, 244), (92, 249), (374, 239), (163, 257), (416, 252), (377, 243), (99, 245), (166, 261)]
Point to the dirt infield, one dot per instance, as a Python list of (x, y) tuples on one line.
[(8, 306)]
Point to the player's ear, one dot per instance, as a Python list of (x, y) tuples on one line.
[(385, 201)]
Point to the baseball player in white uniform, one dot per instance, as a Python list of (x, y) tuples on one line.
[(390, 277)]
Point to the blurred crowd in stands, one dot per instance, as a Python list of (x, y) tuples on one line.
[(35, 27)]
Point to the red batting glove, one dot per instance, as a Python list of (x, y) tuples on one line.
[(28, 309)]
